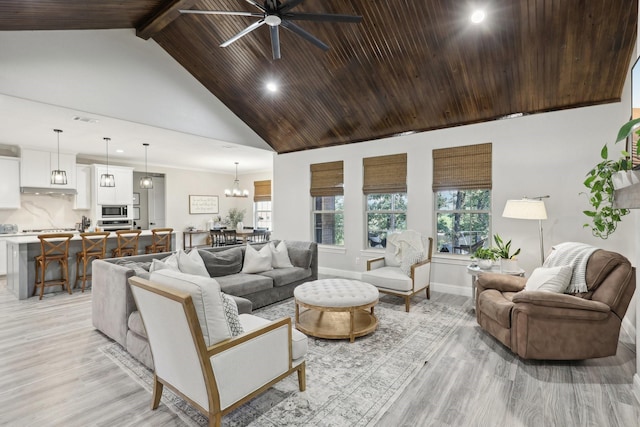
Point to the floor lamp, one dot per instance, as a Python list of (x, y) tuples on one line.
[(528, 208)]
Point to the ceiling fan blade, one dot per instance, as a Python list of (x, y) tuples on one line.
[(221, 12), (289, 5), (275, 41), (256, 4), (323, 17), (305, 35), (272, 5), (243, 32)]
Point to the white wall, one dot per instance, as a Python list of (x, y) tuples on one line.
[(532, 155)]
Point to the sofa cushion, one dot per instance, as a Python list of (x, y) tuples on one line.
[(299, 343), (191, 263), (244, 284), (497, 306), (139, 268), (284, 276), (388, 277), (170, 263), (256, 261), (550, 279), (207, 300), (222, 263), (280, 255), (135, 324), (300, 257)]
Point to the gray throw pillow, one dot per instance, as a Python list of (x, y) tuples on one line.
[(300, 257), (222, 263)]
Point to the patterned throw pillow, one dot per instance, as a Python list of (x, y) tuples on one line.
[(231, 313), (410, 256)]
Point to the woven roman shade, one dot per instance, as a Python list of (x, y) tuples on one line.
[(262, 191), (327, 179), (462, 168), (385, 174)]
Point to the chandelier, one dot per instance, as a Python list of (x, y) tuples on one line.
[(235, 189)]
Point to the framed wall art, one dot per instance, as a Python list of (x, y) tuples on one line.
[(203, 204)]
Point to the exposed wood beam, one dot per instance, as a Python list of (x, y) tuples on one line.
[(161, 17)]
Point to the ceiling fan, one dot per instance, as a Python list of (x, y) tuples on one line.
[(276, 14)]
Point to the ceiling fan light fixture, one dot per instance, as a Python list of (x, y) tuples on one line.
[(478, 16), (272, 20)]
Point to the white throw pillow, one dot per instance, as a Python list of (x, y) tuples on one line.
[(392, 253), (280, 255), (207, 300), (257, 261), (170, 262), (550, 279), (191, 263), (410, 256)]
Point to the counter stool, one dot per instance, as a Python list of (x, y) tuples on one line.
[(94, 246), (160, 241), (127, 243), (53, 248)]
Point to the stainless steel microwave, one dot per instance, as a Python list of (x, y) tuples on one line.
[(119, 211)]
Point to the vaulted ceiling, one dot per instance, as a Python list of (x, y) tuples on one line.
[(409, 66)]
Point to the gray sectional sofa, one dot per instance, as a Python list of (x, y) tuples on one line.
[(114, 312)]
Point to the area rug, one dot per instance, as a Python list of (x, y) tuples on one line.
[(347, 384)]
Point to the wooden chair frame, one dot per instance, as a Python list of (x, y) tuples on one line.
[(215, 413), (53, 248), (94, 246), (160, 241), (127, 243)]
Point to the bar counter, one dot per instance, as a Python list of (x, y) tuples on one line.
[(22, 250)]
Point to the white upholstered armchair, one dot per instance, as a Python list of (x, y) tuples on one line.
[(218, 378), (399, 274)]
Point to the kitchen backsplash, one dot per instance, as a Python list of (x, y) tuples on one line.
[(43, 211)]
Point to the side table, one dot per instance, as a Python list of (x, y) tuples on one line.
[(191, 233), (475, 271)]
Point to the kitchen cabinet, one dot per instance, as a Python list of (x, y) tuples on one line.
[(37, 165), (84, 175), (9, 183), (3, 257), (122, 193)]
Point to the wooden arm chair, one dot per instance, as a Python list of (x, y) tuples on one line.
[(389, 277), (219, 378), (160, 241)]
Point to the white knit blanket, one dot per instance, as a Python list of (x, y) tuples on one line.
[(576, 255)]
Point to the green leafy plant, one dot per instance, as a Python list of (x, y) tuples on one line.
[(234, 216), (485, 253), (604, 217), (503, 250)]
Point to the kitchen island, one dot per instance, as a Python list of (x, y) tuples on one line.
[(22, 250)]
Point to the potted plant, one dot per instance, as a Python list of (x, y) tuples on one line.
[(508, 261), (234, 217), (603, 180), (485, 257)]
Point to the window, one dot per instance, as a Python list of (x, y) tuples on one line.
[(386, 213), (262, 204), (327, 193), (462, 193), (385, 188)]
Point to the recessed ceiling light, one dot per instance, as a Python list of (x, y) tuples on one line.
[(478, 16), (119, 150), (272, 87), (85, 119)]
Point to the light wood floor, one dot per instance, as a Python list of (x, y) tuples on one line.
[(52, 374)]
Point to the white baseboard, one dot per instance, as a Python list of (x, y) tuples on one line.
[(451, 289), (636, 386)]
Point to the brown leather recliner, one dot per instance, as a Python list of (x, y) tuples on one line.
[(547, 325)]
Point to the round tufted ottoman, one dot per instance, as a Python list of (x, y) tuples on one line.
[(336, 308)]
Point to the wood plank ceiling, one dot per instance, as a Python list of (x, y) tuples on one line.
[(411, 65)]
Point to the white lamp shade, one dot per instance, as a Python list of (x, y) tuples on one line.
[(59, 177), (525, 209)]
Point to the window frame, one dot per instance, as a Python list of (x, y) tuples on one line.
[(314, 212), (389, 212), (256, 211)]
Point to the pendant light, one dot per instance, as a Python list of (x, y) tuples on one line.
[(107, 179), (146, 182), (235, 189), (58, 176)]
